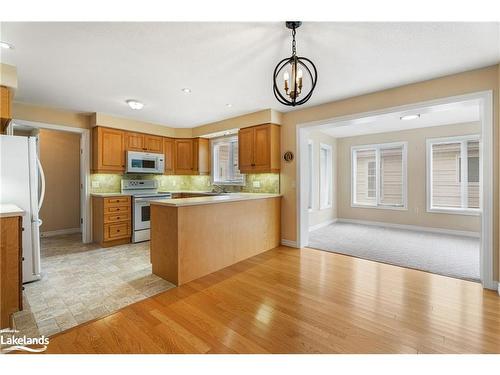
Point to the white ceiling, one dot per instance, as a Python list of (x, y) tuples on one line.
[(445, 114), (95, 67)]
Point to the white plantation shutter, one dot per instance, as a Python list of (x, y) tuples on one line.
[(449, 188), (391, 176), (379, 175)]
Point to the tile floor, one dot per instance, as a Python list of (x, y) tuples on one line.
[(82, 282)]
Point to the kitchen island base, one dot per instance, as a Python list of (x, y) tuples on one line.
[(191, 241)]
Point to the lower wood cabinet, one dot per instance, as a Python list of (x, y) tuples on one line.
[(11, 299), (111, 220)]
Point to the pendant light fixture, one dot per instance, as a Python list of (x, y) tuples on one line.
[(294, 77)]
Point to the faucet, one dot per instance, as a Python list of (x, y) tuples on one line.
[(221, 189)]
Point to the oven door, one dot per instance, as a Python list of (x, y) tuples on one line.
[(142, 212)]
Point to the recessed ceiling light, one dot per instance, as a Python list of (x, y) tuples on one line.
[(229, 105), (6, 45), (134, 104), (186, 90), (410, 117)]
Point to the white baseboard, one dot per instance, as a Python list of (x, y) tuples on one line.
[(289, 243), (321, 225), (412, 227), (59, 232)]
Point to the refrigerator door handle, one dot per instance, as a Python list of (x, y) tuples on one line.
[(42, 177)]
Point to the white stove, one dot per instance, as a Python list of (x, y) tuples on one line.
[(142, 192)]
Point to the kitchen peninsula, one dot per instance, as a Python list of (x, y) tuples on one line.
[(193, 237)]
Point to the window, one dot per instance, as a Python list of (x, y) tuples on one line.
[(379, 175), (225, 162), (325, 176), (310, 175), (447, 190)]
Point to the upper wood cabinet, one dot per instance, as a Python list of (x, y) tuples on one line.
[(259, 149), (153, 143), (191, 156), (143, 142), (108, 154), (5, 107), (168, 150)]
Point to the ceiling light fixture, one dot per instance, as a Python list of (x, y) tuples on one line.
[(294, 67), (409, 117), (229, 105), (6, 45), (186, 90), (134, 104)]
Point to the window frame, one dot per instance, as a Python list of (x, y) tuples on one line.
[(462, 139), (377, 148), (329, 150), (213, 143)]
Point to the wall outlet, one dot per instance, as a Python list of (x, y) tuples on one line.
[(96, 184), (256, 184)]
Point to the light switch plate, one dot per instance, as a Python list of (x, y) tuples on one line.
[(256, 184), (96, 184)]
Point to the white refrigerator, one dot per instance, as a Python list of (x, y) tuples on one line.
[(22, 183)]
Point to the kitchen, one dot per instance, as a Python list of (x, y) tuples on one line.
[(129, 172)]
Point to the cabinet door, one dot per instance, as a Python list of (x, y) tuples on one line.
[(202, 156), (262, 148), (183, 156), (168, 149), (153, 143), (134, 142), (5, 103), (110, 150), (246, 150)]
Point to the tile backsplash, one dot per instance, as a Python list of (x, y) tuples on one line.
[(254, 183)]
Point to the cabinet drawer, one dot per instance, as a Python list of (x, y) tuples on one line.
[(116, 217), (116, 231), (116, 201), (116, 209)]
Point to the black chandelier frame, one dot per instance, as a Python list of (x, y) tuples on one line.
[(295, 61)]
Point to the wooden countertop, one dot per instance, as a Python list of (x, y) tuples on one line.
[(231, 197), (10, 210)]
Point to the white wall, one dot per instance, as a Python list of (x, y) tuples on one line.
[(316, 215)]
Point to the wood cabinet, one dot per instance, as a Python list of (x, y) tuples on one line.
[(259, 149), (11, 278), (168, 150), (143, 142), (191, 156), (108, 154), (5, 107), (111, 220), (183, 156)]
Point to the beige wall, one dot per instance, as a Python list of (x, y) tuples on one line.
[(416, 214), (317, 215), (457, 84), (31, 112), (60, 158)]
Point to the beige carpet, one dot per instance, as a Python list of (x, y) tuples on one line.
[(83, 282), (444, 254)]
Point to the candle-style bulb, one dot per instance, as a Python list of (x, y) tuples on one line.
[(286, 76), (299, 73)]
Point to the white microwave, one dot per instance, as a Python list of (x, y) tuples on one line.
[(145, 162)]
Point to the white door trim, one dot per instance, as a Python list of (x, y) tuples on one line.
[(485, 99), (85, 209)]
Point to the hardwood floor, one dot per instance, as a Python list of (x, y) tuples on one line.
[(301, 301)]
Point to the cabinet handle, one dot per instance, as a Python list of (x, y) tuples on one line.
[(118, 230)]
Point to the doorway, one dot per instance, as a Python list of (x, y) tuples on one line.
[(380, 201)]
